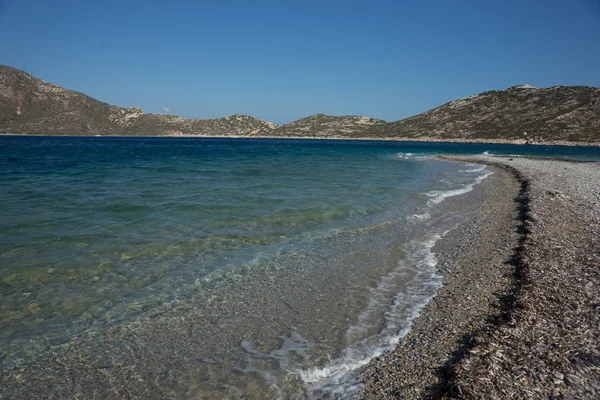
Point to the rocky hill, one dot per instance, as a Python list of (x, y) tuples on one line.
[(321, 125), (33, 106), (521, 113)]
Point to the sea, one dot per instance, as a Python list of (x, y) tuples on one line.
[(278, 267)]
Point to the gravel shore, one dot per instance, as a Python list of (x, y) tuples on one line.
[(475, 260), (519, 316), (548, 347)]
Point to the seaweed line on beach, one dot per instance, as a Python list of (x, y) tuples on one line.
[(509, 303), (533, 336), (546, 345), (506, 304)]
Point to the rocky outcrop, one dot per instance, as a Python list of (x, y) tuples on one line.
[(33, 106), (321, 125), (521, 114)]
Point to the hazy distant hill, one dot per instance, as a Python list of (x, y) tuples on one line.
[(570, 113), (519, 114), (321, 125), (31, 105)]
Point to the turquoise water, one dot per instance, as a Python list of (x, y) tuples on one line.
[(96, 233)]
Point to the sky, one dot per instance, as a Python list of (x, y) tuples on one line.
[(285, 60)]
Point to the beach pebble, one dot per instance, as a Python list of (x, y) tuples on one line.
[(559, 376)]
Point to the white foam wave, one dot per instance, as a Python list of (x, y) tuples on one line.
[(478, 169), (410, 156), (420, 217), (437, 196), (487, 153), (422, 281)]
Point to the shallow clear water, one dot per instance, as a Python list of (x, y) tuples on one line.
[(99, 232)]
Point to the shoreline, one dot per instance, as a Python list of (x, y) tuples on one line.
[(518, 142), (538, 338), (418, 366), (547, 347), (497, 269), (296, 298)]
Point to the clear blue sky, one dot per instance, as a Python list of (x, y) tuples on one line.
[(284, 60)]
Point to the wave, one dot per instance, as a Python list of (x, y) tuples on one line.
[(437, 196), (410, 156), (477, 169), (422, 216), (421, 282), (419, 279), (487, 153)]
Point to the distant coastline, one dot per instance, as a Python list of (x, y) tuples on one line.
[(399, 139)]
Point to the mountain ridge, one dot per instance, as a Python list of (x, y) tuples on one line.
[(33, 106), (519, 114)]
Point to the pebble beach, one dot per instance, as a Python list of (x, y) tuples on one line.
[(518, 314)]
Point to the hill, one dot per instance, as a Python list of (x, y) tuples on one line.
[(521, 113), (321, 125), (33, 106)]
